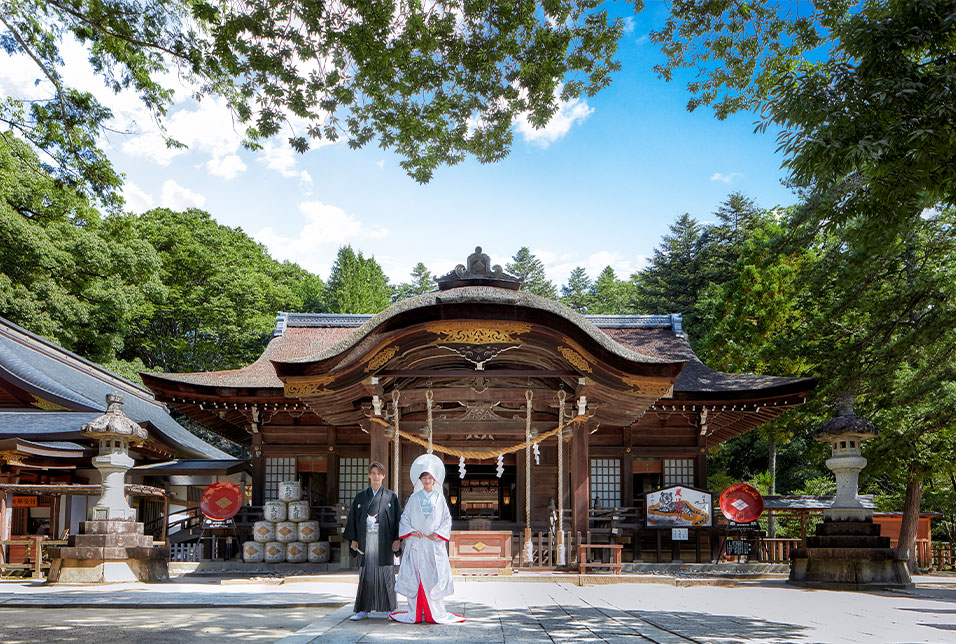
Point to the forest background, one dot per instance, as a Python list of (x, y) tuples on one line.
[(854, 283)]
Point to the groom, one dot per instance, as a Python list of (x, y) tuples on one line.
[(372, 533)]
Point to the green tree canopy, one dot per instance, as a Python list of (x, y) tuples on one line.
[(675, 277), (222, 291), (528, 268), (357, 284), (434, 81), (422, 282), (609, 295), (62, 274), (576, 294)]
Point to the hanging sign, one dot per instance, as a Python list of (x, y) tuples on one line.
[(221, 500), (679, 534), (24, 501), (678, 507), (741, 503)]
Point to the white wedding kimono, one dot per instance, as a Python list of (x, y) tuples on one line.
[(424, 576)]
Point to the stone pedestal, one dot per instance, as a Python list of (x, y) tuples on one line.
[(848, 555), (109, 551)]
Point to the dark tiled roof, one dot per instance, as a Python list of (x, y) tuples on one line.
[(222, 467), (58, 376), (43, 424), (299, 336)]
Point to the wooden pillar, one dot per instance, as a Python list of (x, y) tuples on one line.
[(258, 471), (700, 469), (4, 524), (162, 534), (580, 479), (378, 450)]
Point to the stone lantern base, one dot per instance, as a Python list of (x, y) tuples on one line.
[(849, 555), (109, 551)]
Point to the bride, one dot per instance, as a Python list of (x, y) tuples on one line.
[(424, 576)]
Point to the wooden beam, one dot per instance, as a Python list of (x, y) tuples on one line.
[(471, 373), (258, 471)]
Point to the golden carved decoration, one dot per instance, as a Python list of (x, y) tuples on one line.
[(308, 386), (12, 457), (465, 332), (46, 405), (575, 358), (380, 358), (651, 387)]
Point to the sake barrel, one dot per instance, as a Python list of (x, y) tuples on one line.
[(286, 532), (296, 552), (308, 531), (274, 511), (274, 552), (319, 552), (264, 531), (253, 552), (298, 511), (290, 491)]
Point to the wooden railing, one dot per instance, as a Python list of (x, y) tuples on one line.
[(544, 554), (33, 556), (777, 550), (944, 555)]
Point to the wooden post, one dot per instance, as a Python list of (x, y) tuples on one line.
[(378, 449), (162, 534), (258, 471), (803, 528), (580, 479), (4, 525)]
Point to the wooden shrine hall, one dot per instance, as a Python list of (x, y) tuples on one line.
[(532, 406)]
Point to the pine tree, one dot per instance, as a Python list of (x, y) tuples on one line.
[(530, 270), (422, 282), (357, 284), (576, 294), (609, 295), (675, 278), (737, 216)]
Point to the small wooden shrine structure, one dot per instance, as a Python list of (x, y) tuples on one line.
[(531, 405)]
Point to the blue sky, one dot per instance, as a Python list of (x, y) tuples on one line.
[(598, 187)]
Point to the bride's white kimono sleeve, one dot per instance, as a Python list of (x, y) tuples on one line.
[(425, 569)]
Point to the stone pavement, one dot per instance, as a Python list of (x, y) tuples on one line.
[(520, 612)]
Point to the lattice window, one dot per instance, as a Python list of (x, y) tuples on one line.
[(605, 482), (277, 471), (678, 471), (353, 478)]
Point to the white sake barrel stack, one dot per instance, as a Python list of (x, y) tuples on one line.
[(286, 532), (274, 552), (264, 531), (319, 552), (290, 491), (298, 511), (308, 531), (253, 552), (274, 511), (296, 552)]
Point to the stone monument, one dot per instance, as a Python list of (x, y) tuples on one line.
[(111, 546), (848, 551)]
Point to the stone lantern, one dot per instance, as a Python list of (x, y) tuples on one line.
[(111, 546), (115, 432), (847, 552), (845, 433)]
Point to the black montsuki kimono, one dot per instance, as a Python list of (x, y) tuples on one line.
[(376, 589)]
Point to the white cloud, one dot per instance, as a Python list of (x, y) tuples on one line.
[(569, 113), (228, 167), (176, 197), (629, 25), (559, 266), (137, 199), (280, 156), (726, 178), (380, 164), (325, 227)]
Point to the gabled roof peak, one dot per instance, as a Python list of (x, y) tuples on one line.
[(478, 272)]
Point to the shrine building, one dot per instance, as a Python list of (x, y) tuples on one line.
[(517, 393)]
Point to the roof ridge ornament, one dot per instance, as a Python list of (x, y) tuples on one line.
[(478, 271)]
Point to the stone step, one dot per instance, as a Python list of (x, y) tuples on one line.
[(881, 554), (834, 528), (848, 541), (115, 540), (114, 526)]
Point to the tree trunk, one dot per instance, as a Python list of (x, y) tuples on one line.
[(911, 506), (771, 523)]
